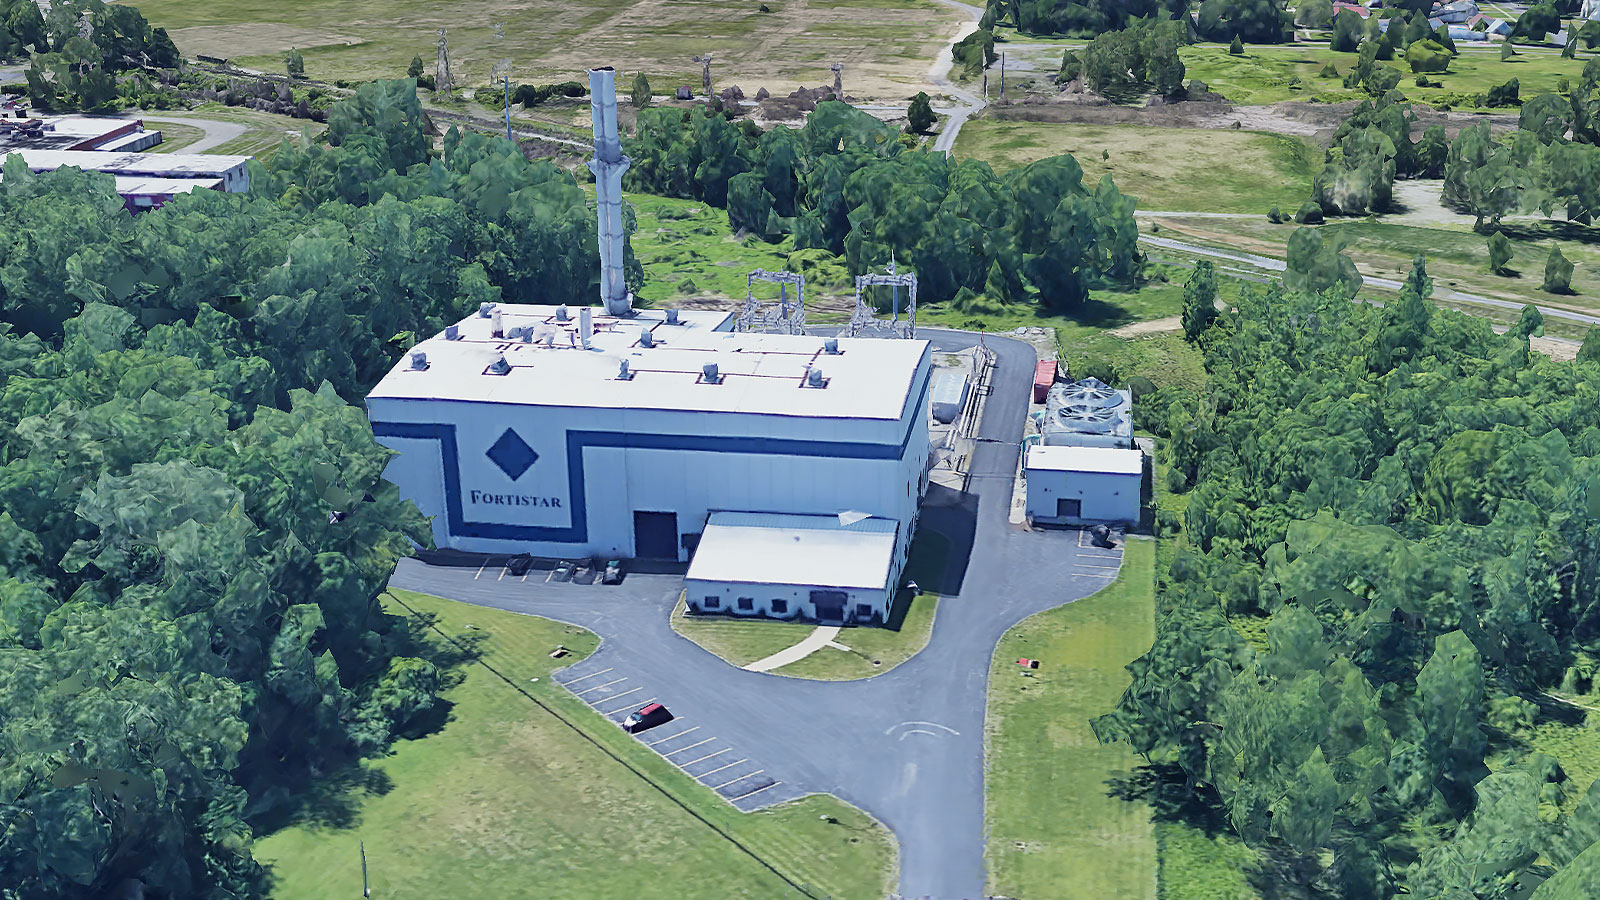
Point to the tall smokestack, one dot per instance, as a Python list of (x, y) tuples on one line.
[(608, 165)]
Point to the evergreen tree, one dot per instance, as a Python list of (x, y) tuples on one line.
[(1499, 252), (919, 117), (1237, 47), (641, 92), (1557, 273), (295, 64), (415, 69), (1199, 300)]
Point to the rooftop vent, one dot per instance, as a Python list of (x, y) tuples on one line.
[(452, 332), (499, 366), (526, 335), (484, 309), (831, 346), (814, 377), (585, 326), (672, 316), (623, 372), (646, 339), (561, 313), (709, 374), (419, 361), (497, 326)]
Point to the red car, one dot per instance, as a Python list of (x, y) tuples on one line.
[(646, 717)]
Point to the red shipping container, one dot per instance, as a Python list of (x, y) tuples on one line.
[(1043, 377)]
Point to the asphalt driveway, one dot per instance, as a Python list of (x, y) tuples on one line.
[(907, 745)]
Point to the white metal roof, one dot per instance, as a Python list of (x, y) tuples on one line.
[(1100, 460), (144, 186), (772, 548), (161, 165), (760, 373)]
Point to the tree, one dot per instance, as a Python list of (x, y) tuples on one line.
[(920, 117), (1536, 22), (641, 92), (1481, 176), (415, 70), (1237, 47), (1427, 56), (1499, 252), (1199, 300), (1507, 51), (1557, 273), (1315, 264), (1255, 21), (1590, 350), (1314, 14), (294, 64)]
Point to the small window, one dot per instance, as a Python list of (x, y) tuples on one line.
[(863, 610), (711, 602), (747, 603), (780, 606)]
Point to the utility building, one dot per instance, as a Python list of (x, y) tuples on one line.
[(624, 433), (532, 429), (1084, 485)]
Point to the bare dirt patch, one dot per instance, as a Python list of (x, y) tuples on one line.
[(1154, 326), (1292, 117), (1560, 351)]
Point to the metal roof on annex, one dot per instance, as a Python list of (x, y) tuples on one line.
[(1099, 460), (816, 551)]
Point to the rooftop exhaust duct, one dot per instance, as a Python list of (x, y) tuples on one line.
[(452, 332), (500, 366), (419, 361), (484, 310), (585, 326), (831, 346), (561, 313), (646, 339), (623, 372), (608, 165), (710, 374), (814, 377), (497, 327), (672, 316)]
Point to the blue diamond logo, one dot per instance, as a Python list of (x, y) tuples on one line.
[(512, 454)]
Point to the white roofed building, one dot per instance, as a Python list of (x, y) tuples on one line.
[(827, 568), (1084, 485), (568, 433)]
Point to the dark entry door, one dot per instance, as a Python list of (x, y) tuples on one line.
[(829, 605), (1069, 509), (655, 535)]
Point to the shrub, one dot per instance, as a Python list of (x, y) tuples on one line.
[(1309, 213), (1427, 56), (1502, 95), (1237, 47), (1274, 216), (1329, 71)]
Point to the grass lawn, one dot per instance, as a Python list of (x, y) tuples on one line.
[(1199, 866), (1233, 171), (1263, 73), (739, 641), (885, 45), (1053, 830), (174, 136), (507, 801)]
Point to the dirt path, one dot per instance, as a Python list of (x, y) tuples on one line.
[(1154, 326), (967, 102)]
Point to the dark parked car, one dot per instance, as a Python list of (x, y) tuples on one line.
[(613, 573), (519, 565), (646, 717)]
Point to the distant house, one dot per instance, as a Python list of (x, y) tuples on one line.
[(1361, 11), (1463, 33), (1590, 10), (1457, 13)]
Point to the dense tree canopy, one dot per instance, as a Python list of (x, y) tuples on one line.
[(69, 69), (1079, 18), (1140, 58), (844, 183), (193, 525), (1405, 507)]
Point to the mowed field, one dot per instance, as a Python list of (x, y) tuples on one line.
[(508, 801), (1054, 832), (886, 46), (1186, 169)]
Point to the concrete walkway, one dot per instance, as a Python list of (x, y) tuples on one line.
[(821, 637)]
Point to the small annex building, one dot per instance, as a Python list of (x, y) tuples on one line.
[(830, 569), (1084, 485)]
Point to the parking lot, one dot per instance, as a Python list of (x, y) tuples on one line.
[(1094, 561), (738, 776)]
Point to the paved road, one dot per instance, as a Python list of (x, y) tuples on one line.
[(1272, 264), (217, 132), (907, 746), (967, 102)]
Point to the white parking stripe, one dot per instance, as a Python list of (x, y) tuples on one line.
[(755, 792), (704, 758), (620, 696), (740, 778), (1095, 566), (590, 675), (669, 753), (678, 735), (480, 570), (728, 766), (1092, 575), (1092, 556), (599, 686)]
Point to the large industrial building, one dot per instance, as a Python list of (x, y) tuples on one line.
[(625, 433)]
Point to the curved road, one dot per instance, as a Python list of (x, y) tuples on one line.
[(967, 102), (217, 132), (906, 746)]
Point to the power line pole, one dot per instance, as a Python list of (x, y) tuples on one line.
[(503, 69), (704, 60), (1002, 75)]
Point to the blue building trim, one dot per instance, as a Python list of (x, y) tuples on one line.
[(578, 441)]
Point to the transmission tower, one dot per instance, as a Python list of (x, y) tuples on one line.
[(838, 80), (704, 60), (442, 82), (864, 322), (782, 317)]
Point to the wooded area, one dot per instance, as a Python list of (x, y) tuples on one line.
[(1409, 504), (195, 529), (845, 184)]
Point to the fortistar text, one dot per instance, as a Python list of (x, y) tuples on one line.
[(487, 499)]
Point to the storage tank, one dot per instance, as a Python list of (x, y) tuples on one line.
[(947, 394)]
